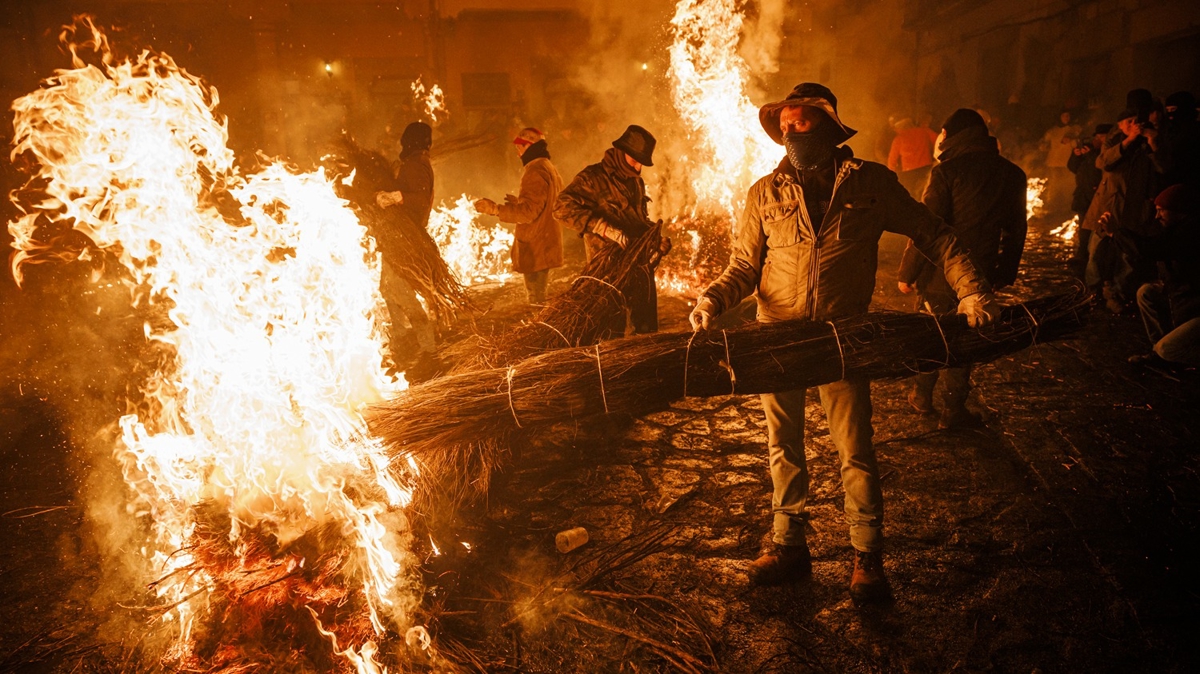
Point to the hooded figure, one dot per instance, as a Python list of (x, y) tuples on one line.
[(414, 175), (413, 197), (807, 247), (606, 204), (537, 244), (981, 196)]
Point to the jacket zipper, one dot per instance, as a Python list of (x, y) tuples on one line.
[(814, 270), (806, 220)]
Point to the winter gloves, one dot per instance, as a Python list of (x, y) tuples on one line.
[(607, 231), (386, 199), (980, 309), (703, 314)]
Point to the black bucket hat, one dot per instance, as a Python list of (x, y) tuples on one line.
[(637, 143), (807, 93)]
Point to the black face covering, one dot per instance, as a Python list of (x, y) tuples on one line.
[(809, 151)]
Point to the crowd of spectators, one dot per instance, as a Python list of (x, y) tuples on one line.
[(1136, 198), (1132, 184)]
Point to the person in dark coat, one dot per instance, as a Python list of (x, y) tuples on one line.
[(981, 196), (1132, 166), (414, 197), (1087, 178), (606, 204), (1170, 307), (414, 174)]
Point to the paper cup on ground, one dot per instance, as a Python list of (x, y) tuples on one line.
[(570, 539)]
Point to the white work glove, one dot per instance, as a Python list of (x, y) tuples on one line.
[(487, 207), (607, 231), (980, 309), (703, 314), (385, 199)]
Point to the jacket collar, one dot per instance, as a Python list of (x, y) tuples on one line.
[(843, 156), (614, 162), (969, 140)]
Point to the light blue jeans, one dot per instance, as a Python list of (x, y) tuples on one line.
[(1176, 344), (847, 406)]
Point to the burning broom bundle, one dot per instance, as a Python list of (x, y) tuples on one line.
[(594, 306), (406, 246), (643, 374)]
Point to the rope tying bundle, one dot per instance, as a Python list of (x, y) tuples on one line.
[(945, 343), (687, 354), (728, 365), (512, 408), (600, 370), (841, 352), (1036, 326)]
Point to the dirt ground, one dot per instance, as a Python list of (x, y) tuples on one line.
[(1060, 538)]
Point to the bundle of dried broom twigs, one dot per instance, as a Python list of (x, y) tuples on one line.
[(594, 307), (407, 247), (642, 374)]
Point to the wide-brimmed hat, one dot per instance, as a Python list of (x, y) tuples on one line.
[(807, 93), (637, 143)]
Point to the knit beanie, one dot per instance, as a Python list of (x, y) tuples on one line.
[(961, 119)]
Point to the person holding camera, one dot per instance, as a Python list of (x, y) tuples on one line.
[(1087, 178), (1132, 166)]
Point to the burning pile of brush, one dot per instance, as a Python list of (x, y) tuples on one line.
[(268, 524), (700, 251)]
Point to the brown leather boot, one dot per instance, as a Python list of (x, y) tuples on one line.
[(782, 564), (867, 582)]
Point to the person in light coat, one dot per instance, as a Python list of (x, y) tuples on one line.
[(538, 244)]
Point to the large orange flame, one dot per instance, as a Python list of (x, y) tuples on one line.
[(276, 329), (475, 252), (709, 82)]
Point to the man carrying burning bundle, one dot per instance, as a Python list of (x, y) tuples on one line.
[(537, 244), (808, 246), (414, 197), (606, 204)]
